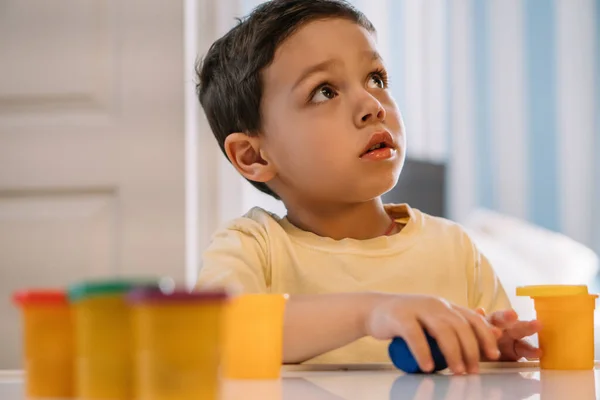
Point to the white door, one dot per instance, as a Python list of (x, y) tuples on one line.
[(91, 145)]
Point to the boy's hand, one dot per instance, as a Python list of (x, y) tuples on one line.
[(459, 332), (511, 344)]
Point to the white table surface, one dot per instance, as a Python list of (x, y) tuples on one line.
[(378, 382)]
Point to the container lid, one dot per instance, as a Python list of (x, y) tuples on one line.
[(87, 289), (154, 295), (552, 290), (40, 296)]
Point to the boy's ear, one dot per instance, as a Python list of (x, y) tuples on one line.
[(247, 157)]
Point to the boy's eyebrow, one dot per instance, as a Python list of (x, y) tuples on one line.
[(322, 66), (375, 56), (325, 65)]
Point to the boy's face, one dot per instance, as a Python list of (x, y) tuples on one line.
[(325, 103)]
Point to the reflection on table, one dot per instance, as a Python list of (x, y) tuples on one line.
[(314, 383)]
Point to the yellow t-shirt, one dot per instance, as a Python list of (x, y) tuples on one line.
[(261, 253)]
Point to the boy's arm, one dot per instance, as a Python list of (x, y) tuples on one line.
[(486, 289), (492, 294), (489, 295), (236, 259), (316, 324)]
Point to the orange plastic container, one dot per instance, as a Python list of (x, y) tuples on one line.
[(47, 343), (567, 316), (178, 340), (103, 339), (254, 336)]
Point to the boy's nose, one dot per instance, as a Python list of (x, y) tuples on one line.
[(380, 115), (370, 111)]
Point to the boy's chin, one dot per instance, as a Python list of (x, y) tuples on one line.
[(374, 189)]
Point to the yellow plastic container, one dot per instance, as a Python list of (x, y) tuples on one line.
[(103, 340), (567, 317), (254, 336), (178, 341), (47, 343)]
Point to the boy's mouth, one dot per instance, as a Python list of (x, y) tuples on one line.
[(377, 146), (380, 147)]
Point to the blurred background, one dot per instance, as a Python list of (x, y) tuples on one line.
[(107, 165)]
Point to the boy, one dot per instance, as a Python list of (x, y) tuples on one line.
[(297, 98)]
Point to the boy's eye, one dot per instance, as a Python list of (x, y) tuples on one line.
[(376, 80), (323, 94)]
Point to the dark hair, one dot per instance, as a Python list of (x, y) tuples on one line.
[(229, 78)]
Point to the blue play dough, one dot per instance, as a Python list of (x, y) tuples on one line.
[(404, 360)]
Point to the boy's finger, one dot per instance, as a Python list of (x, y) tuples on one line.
[(521, 329), (468, 342), (446, 339), (527, 350), (414, 336), (497, 331), (503, 319), (486, 334)]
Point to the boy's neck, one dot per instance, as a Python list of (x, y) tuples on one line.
[(356, 221)]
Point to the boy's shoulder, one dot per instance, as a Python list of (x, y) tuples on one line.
[(259, 218), (257, 222), (262, 232)]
